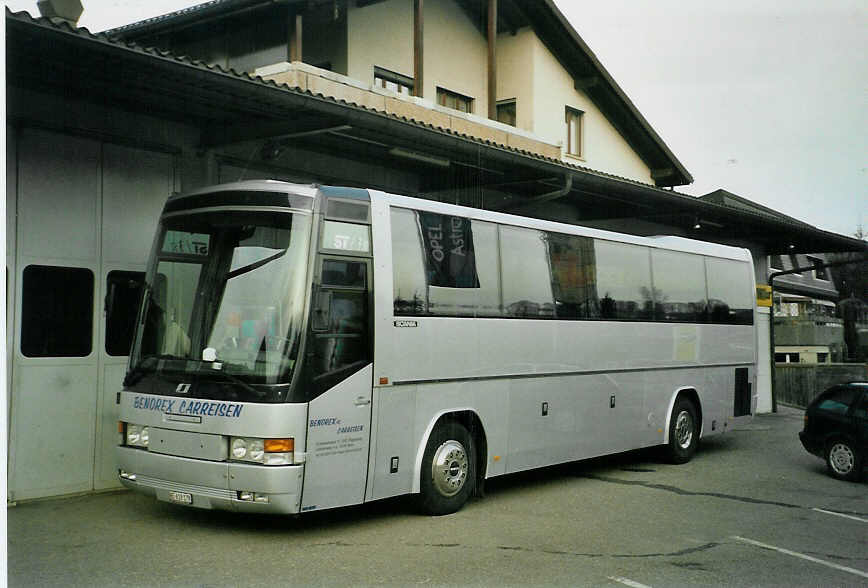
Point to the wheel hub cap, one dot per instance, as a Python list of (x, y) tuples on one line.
[(449, 468), (841, 458), (684, 429)]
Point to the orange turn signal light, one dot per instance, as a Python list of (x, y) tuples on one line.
[(279, 445)]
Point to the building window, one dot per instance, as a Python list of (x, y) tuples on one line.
[(506, 112), (454, 100), (56, 311), (401, 84), (574, 119), (819, 272)]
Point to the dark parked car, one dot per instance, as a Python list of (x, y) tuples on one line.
[(836, 429)]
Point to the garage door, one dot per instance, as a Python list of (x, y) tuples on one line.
[(86, 212)]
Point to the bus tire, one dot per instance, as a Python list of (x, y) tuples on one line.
[(448, 473), (683, 432)]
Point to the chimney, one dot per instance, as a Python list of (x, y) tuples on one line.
[(59, 11)]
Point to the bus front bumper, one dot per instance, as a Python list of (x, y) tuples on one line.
[(212, 485)]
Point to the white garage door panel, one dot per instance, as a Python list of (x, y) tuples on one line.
[(60, 174), (87, 204), (136, 184), (106, 475), (53, 436)]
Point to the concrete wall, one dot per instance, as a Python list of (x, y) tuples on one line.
[(515, 66), (604, 148), (456, 58), (380, 34), (798, 384), (456, 55)]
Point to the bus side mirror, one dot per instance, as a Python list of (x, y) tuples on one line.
[(322, 311)]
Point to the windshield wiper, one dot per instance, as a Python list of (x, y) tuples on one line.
[(255, 265)]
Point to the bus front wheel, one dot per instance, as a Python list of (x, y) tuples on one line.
[(448, 469), (683, 432)]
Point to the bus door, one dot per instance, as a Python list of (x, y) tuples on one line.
[(340, 381)]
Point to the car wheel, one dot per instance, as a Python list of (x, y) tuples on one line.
[(683, 432), (843, 460), (448, 469)]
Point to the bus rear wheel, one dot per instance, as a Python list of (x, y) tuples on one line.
[(448, 469), (683, 432)]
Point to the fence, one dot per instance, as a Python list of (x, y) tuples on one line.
[(798, 384)]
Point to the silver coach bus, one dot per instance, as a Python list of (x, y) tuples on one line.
[(301, 348)]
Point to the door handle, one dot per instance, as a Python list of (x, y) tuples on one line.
[(362, 401)]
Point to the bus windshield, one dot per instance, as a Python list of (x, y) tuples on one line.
[(224, 299)]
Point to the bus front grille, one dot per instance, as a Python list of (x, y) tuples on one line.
[(221, 493)]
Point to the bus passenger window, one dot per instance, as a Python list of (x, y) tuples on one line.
[(730, 295), (449, 254), (475, 283), (527, 287), (444, 265), (408, 267), (623, 281), (679, 286), (573, 277)]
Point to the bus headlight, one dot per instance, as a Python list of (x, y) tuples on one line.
[(239, 448), (264, 451), (136, 435)]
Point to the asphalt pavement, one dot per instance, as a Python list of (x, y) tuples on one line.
[(751, 509)]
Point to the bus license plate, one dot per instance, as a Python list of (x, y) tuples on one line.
[(181, 497)]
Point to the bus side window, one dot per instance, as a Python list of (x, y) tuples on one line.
[(408, 266), (623, 278), (729, 301)]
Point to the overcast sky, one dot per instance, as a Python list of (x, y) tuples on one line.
[(766, 99)]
